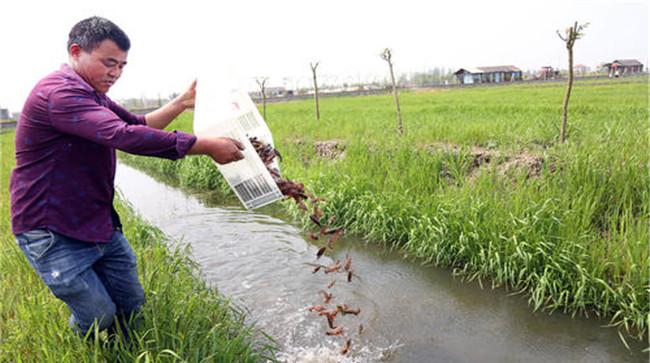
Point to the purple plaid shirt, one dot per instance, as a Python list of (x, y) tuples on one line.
[(65, 157)]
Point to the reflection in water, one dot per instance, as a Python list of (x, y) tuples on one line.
[(410, 313)]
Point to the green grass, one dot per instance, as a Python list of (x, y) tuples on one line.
[(574, 238), (184, 320)]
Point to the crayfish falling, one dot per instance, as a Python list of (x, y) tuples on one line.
[(296, 191)]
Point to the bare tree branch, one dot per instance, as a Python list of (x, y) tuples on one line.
[(387, 55), (261, 83), (571, 34)]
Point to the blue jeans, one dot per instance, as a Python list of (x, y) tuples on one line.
[(98, 281)]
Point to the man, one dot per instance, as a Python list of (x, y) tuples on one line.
[(63, 185)]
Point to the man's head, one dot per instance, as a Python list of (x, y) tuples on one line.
[(98, 50)]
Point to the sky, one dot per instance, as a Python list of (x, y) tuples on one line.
[(174, 42)]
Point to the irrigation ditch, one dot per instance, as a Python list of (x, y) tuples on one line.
[(411, 312)]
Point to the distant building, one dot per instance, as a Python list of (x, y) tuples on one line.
[(4, 114), (623, 66), (548, 72), (496, 74), (581, 69), (271, 92)]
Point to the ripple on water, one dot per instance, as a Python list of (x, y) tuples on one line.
[(331, 354)]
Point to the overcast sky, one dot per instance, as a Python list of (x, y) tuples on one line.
[(174, 41)]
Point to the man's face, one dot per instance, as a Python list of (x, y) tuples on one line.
[(101, 67)]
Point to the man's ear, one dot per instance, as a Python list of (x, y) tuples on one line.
[(74, 50)]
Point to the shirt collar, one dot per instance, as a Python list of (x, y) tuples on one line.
[(71, 74)]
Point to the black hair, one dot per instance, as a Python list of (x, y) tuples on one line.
[(89, 32)]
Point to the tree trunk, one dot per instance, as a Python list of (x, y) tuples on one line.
[(313, 70), (400, 126), (261, 82), (565, 110), (264, 103)]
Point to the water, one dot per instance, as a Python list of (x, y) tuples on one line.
[(410, 313)]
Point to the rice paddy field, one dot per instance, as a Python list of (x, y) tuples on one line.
[(480, 184)]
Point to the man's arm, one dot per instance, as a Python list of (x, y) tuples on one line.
[(160, 118), (76, 112)]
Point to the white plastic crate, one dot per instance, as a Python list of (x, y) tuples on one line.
[(232, 113)]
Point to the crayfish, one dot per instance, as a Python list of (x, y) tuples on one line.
[(296, 191)]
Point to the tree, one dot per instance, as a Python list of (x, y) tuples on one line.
[(261, 83), (388, 56), (313, 72), (571, 34)]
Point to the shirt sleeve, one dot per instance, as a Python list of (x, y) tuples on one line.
[(125, 115), (75, 111)]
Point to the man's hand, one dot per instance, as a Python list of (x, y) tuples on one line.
[(188, 98), (160, 118), (223, 150)]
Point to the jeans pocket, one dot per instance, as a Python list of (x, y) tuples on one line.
[(37, 242)]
